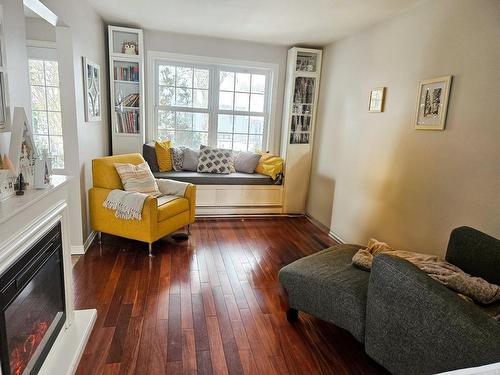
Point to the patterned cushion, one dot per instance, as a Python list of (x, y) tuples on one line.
[(137, 178), (214, 160), (163, 156), (177, 154)]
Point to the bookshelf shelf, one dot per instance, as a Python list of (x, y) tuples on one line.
[(126, 67)]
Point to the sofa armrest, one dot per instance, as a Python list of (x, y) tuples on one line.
[(103, 220), (416, 325), (190, 195)]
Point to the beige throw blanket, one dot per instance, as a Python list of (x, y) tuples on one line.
[(440, 270), (127, 204)]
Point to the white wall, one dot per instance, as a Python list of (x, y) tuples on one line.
[(373, 175), (224, 49), (39, 29), (88, 37)]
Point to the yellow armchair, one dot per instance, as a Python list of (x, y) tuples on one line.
[(157, 221)]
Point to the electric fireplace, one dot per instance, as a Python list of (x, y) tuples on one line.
[(32, 305)]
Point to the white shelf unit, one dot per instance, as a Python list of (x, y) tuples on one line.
[(126, 74), (299, 117)]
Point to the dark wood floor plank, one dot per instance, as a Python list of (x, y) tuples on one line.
[(209, 305)]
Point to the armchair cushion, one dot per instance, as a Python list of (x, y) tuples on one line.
[(172, 208)]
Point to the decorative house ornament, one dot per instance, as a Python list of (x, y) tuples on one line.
[(130, 48), (43, 171), (377, 99), (22, 152), (7, 181), (92, 85), (432, 103)]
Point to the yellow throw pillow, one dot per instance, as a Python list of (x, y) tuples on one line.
[(270, 165), (163, 156)]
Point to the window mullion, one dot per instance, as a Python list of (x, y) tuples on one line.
[(214, 107)]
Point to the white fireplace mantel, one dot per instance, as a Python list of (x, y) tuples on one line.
[(23, 221)]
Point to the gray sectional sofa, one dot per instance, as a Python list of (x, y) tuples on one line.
[(409, 323)]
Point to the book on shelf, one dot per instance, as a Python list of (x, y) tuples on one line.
[(128, 122), (127, 73), (131, 100)]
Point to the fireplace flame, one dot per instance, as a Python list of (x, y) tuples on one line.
[(22, 353)]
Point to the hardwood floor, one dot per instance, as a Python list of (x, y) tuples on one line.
[(209, 305)]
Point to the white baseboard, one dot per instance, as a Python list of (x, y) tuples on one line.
[(336, 238), (81, 250)]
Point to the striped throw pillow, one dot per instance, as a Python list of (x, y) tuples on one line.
[(138, 178), (163, 156)]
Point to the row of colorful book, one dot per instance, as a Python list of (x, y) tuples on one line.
[(127, 73), (128, 122)]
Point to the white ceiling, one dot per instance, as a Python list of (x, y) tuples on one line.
[(286, 22)]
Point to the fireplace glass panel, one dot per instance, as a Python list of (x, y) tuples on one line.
[(34, 316)]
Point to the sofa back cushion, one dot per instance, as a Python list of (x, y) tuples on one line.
[(475, 252), (138, 178), (215, 160), (104, 174), (149, 153), (246, 162), (190, 159)]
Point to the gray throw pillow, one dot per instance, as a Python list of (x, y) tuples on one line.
[(177, 154), (214, 160), (190, 161), (149, 153), (246, 162)]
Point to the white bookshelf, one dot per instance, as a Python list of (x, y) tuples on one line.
[(299, 117), (126, 74)]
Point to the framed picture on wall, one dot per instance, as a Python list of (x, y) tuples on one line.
[(92, 87), (377, 97), (432, 103)]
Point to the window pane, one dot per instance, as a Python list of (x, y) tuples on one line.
[(201, 78), (240, 142), (51, 73), (166, 96), (39, 119), (241, 101), (166, 120), (200, 121), (184, 120), (184, 77), (241, 124), (226, 81), (226, 100), (55, 123), (191, 139), (256, 125), (41, 143), (166, 134), (243, 82), (257, 103), (258, 83), (53, 99), (184, 97), (36, 72), (166, 75), (57, 151), (200, 98), (254, 143), (225, 140), (225, 123), (38, 98)]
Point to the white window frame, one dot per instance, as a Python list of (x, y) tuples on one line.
[(215, 65), (47, 51)]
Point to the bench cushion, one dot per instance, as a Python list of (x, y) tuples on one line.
[(327, 286), (217, 179)]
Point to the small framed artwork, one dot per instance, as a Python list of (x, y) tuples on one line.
[(432, 103), (377, 97), (92, 86)]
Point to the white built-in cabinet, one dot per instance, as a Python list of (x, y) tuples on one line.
[(299, 117), (126, 74)]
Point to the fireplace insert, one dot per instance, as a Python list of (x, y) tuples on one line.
[(32, 305)]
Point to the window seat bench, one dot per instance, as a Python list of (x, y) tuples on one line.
[(217, 179)]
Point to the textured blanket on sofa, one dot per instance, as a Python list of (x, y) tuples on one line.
[(440, 270)]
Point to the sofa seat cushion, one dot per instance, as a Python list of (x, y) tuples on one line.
[(217, 179), (327, 286), (172, 208)]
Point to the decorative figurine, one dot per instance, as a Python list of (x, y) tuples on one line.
[(20, 185), (129, 48)]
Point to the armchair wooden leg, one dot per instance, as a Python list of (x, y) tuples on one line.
[(99, 237), (150, 248), (292, 315), (189, 229)]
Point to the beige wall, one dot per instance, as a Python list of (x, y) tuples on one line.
[(226, 49), (373, 175)]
